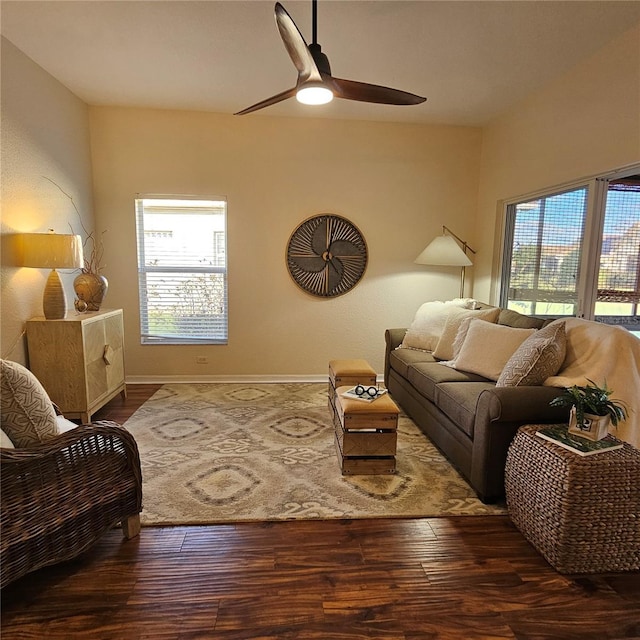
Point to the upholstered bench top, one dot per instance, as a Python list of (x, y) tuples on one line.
[(354, 367)]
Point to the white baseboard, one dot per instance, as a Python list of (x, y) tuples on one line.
[(249, 379)]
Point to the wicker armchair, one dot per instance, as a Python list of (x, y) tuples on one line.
[(58, 497)]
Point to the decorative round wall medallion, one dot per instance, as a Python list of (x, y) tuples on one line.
[(326, 255)]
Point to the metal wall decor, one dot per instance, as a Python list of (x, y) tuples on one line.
[(326, 255)]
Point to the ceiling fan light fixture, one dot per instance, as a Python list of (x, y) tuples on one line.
[(314, 93)]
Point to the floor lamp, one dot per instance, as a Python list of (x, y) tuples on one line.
[(52, 251), (446, 252)]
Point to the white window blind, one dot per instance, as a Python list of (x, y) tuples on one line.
[(542, 259), (182, 270)]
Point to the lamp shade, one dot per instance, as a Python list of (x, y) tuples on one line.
[(51, 251), (444, 251)]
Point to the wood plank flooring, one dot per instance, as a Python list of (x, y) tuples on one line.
[(446, 578)]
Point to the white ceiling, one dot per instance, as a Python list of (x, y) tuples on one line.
[(473, 60)]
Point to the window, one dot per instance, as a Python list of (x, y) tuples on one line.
[(182, 270), (545, 251), (619, 273), (576, 252)]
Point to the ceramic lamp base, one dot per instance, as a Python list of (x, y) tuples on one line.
[(54, 302)]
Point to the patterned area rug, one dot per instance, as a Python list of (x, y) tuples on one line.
[(215, 453)]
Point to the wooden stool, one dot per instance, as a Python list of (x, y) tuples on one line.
[(344, 372), (365, 434)]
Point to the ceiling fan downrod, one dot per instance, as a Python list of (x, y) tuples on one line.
[(314, 21)]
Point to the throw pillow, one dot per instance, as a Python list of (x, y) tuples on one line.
[(537, 358), (425, 330), (449, 338), (28, 416), (488, 347)]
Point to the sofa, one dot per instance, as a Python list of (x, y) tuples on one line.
[(466, 409), (63, 485)]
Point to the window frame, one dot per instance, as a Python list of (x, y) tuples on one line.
[(147, 337), (509, 231)]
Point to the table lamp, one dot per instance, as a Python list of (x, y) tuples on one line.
[(52, 251), (445, 251)]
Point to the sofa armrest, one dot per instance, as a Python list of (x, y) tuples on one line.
[(393, 339), (519, 404), (500, 412)]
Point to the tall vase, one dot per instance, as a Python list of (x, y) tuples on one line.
[(90, 288)]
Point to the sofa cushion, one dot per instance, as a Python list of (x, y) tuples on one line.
[(425, 376), (537, 358), (401, 359), (457, 317), (488, 347), (28, 416), (458, 400), (428, 323)]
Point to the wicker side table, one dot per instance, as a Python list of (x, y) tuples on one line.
[(581, 513)]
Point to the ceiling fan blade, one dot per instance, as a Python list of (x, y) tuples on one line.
[(364, 92), (296, 46), (289, 93)]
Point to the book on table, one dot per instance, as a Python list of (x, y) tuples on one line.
[(559, 435), (365, 397)]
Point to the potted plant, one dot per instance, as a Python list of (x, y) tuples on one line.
[(592, 409)]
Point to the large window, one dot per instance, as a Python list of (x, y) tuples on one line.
[(545, 251), (618, 299), (576, 251), (182, 270)]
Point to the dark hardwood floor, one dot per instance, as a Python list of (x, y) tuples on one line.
[(447, 578)]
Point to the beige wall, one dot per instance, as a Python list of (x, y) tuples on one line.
[(45, 136), (397, 183), (586, 122)]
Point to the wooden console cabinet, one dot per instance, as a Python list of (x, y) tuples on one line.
[(79, 360)]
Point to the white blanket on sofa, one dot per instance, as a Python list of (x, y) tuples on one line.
[(604, 353)]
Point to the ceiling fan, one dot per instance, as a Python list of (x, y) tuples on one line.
[(315, 83)]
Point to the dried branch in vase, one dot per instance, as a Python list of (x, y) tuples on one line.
[(93, 256)]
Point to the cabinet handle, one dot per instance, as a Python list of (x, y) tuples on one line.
[(107, 354)]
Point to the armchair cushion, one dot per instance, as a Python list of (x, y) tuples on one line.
[(28, 416), (64, 425), (5, 441)]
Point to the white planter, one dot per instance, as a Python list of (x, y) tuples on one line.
[(593, 427)]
